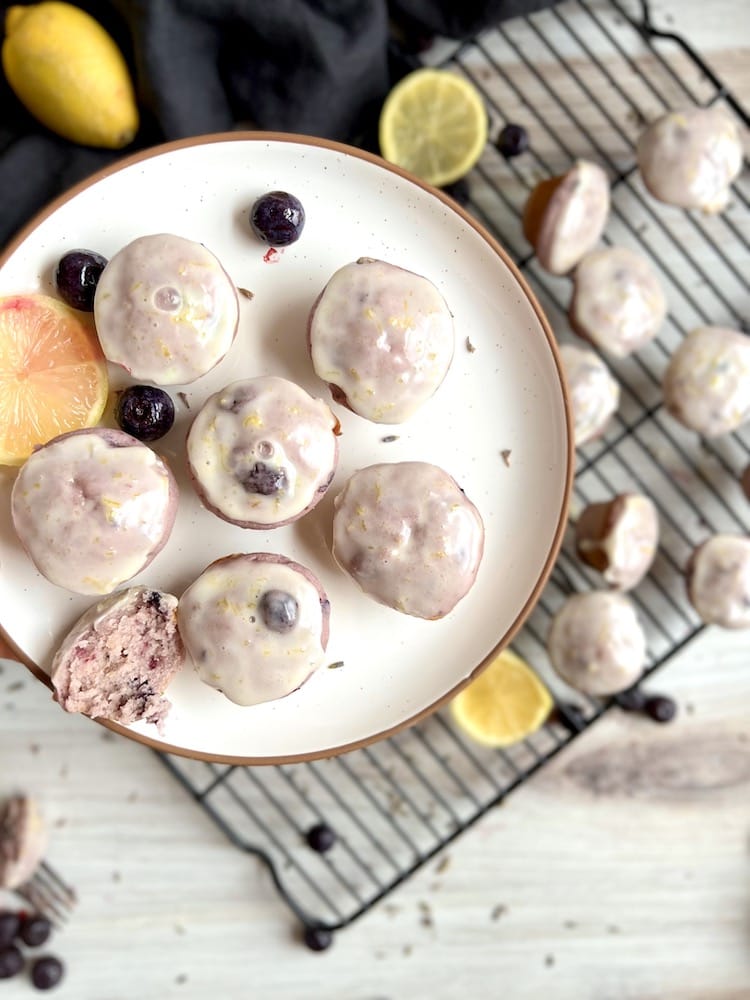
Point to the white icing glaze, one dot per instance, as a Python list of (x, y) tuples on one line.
[(618, 303), (232, 648), (165, 309), (408, 536), (596, 643), (719, 581), (594, 393), (689, 158), (627, 544), (91, 513), (265, 422), (384, 336), (574, 218), (707, 381)]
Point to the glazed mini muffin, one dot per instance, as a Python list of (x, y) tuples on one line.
[(262, 452), (119, 658), (565, 216), (618, 303), (23, 841), (92, 508), (707, 381), (689, 158), (409, 536), (619, 538), (718, 581), (382, 338), (594, 394), (165, 309), (596, 643), (256, 626)]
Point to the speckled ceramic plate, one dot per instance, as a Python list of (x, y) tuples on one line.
[(499, 424)]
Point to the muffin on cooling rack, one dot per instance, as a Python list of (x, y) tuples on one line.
[(565, 216), (619, 537), (718, 581), (596, 642), (594, 392), (618, 303), (706, 384), (690, 157)]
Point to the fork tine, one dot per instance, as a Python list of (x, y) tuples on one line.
[(48, 894)]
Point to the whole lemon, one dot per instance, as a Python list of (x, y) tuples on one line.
[(68, 72)]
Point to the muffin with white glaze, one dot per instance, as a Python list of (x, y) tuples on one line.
[(706, 384), (689, 158), (262, 452), (619, 538), (596, 642), (565, 216), (93, 508), (718, 581), (165, 309), (409, 536), (593, 392), (618, 303), (382, 338), (256, 626)]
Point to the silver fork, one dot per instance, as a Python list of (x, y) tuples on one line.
[(48, 894)]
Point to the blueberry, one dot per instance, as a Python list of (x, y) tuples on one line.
[(318, 938), (633, 700), (278, 610), (569, 715), (35, 930), (320, 837), (77, 275), (46, 972), (264, 479), (11, 962), (278, 218), (660, 708), (145, 412), (9, 927), (512, 141)]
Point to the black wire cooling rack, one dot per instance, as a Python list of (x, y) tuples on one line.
[(582, 77)]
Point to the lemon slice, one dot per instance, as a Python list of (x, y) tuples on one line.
[(505, 703), (434, 124), (53, 376)]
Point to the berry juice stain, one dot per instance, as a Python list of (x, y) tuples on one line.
[(272, 256)]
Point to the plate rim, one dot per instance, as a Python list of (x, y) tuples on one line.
[(244, 135)]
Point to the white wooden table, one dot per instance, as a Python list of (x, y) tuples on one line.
[(620, 872)]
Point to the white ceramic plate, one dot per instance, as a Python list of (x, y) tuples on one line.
[(505, 395)]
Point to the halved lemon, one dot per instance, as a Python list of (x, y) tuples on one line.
[(53, 375), (434, 124), (506, 702)]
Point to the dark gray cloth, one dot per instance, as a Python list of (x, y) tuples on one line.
[(318, 67)]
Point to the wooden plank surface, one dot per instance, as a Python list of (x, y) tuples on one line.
[(620, 872)]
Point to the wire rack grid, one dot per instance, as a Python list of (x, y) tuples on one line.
[(583, 77)]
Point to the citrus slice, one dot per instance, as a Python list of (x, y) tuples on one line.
[(53, 376), (434, 124), (505, 703)]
